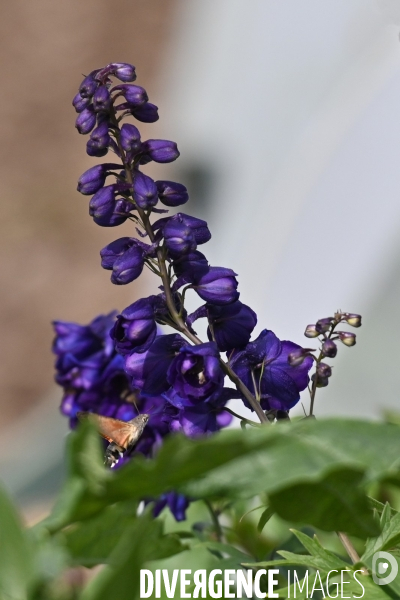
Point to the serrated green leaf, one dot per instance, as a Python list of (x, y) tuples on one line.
[(389, 538), (16, 557), (265, 517)]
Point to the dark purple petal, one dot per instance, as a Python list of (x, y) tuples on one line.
[(161, 151), (101, 99), (134, 94), (80, 103), (130, 138), (230, 325), (128, 266), (146, 113), (171, 193), (144, 191), (135, 328), (217, 286), (88, 85), (94, 178), (86, 120), (195, 373)]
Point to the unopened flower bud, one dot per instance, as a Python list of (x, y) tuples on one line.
[(130, 138), (311, 331), (146, 113), (324, 370), (99, 141), (80, 103), (123, 71), (86, 120), (93, 179), (324, 325), (144, 191), (88, 85), (135, 95), (298, 356), (353, 319), (329, 348), (161, 151), (347, 338), (321, 381), (101, 99), (171, 193)]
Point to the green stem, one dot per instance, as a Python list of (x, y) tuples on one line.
[(177, 318), (215, 520)]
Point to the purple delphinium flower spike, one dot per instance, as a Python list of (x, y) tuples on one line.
[(265, 362)]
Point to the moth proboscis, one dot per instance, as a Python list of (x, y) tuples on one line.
[(122, 435)]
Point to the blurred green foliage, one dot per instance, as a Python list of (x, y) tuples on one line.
[(251, 486)]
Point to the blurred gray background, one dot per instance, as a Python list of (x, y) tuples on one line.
[(287, 116)]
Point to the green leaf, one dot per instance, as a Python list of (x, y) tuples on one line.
[(16, 557), (333, 459), (389, 537), (265, 517), (91, 542), (141, 542), (334, 503), (318, 558)]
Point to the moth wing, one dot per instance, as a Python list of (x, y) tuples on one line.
[(113, 430)]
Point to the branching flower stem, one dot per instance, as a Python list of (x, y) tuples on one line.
[(176, 317)]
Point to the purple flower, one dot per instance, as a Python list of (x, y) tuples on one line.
[(106, 210), (86, 120), (265, 362), (182, 233), (195, 374), (125, 257), (134, 94), (202, 418), (177, 503), (123, 71), (144, 191), (190, 267), (217, 286), (135, 328), (94, 178), (99, 141), (161, 151), (230, 325), (146, 113), (171, 193), (83, 352), (149, 369), (102, 99), (130, 138), (89, 85), (80, 103), (178, 237)]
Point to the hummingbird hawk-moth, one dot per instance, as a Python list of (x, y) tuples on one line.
[(122, 435)]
